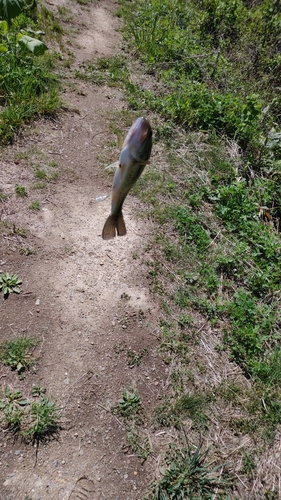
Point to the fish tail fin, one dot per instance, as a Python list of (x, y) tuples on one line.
[(113, 224), (109, 230), (120, 225)]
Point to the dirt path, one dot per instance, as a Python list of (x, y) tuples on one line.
[(82, 297)]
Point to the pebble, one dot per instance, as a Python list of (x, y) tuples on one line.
[(37, 303), (17, 452)]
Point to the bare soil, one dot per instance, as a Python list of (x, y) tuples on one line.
[(86, 300)]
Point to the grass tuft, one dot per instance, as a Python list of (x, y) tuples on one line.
[(16, 353)]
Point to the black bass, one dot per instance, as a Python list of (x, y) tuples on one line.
[(134, 156)]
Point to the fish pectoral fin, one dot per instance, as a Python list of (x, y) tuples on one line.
[(113, 224), (109, 230), (112, 165), (120, 225)]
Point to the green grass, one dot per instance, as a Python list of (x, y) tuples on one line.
[(40, 174), (172, 413), (34, 420), (138, 445), (3, 196), (35, 205), (215, 196), (112, 71), (17, 354), (28, 87), (203, 54), (20, 190), (39, 185), (189, 475)]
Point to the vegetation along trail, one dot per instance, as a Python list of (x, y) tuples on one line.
[(145, 366)]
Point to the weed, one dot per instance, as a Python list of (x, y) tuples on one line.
[(19, 231), (39, 185), (9, 283), (63, 11), (53, 164), (129, 406), (12, 407), (53, 177), (138, 445), (21, 156), (188, 475), (40, 174), (20, 190), (194, 406), (111, 71), (33, 420), (134, 358), (44, 420), (38, 391), (248, 463), (3, 196), (35, 205), (164, 416), (3, 227), (17, 354), (27, 251)]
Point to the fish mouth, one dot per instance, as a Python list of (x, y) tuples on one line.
[(139, 140), (142, 129)]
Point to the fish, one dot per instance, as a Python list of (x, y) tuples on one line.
[(134, 156)]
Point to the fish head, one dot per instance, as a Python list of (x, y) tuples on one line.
[(138, 143)]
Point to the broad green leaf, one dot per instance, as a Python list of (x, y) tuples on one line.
[(19, 366), (16, 289), (11, 8), (2, 404), (32, 44), (3, 27), (3, 48), (22, 402)]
